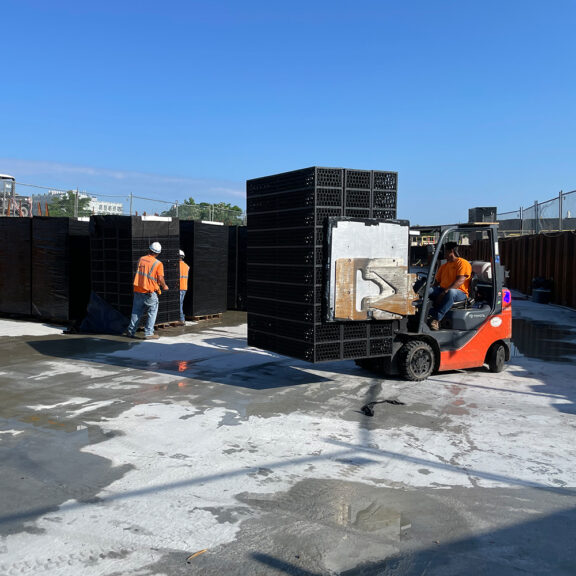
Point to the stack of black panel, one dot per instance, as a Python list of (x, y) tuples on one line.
[(60, 268), (237, 243), (206, 249), (116, 245), (16, 276), (287, 215)]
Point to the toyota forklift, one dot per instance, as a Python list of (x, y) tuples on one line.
[(369, 278)]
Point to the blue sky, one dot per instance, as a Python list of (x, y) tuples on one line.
[(472, 102)]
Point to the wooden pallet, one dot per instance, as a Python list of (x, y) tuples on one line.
[(205, 317), (168, 325)]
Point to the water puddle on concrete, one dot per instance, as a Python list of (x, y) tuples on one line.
[(537, 339)]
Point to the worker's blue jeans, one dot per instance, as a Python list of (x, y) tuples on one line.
[(182, 294), (143, 303), (452, 295)]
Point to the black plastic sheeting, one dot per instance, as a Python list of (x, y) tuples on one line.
[(102, 318), (116, 245), (237, 262), (16, 274), (60, 268), (206, 249)]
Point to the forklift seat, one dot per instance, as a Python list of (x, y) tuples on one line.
[(481, 273), (470, 313), (469, 302), (483, 270)]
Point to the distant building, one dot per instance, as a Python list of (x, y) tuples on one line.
[(105, 207), (97, 207)]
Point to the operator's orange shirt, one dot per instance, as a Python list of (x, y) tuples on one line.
[(149, 270), (184, 268), (448, 272)]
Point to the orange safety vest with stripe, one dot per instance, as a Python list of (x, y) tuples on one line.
[(146, 279), (184, 269)]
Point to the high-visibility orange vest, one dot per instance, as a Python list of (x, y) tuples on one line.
[(149, 270), (184, 269)]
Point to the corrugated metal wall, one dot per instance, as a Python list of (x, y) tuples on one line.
[(547, 256)]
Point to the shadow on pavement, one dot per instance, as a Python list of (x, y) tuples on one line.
[(221, 360)]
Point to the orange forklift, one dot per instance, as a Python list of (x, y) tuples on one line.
[(369, 278)]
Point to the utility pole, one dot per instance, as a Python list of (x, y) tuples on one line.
[(130, 203), (76, 204)]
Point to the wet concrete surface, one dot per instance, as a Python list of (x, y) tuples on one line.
[(540, 340), (128, 457)]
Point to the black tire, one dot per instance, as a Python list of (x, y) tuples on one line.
[(496, 357), (416, 360)]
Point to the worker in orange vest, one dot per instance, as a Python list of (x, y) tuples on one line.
[(184, 270), (148, 283)]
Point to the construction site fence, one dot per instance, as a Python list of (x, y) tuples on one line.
[(535, 261), (555, 215), (33, 200)]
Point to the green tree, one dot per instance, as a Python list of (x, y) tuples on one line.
[(188, 210), (225, 212), (219, 212), (65, 205)]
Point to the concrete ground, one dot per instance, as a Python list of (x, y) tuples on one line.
[(195, 454)]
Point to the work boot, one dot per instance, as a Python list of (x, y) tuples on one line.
[(128, 334), (152, 337), (434, 324)]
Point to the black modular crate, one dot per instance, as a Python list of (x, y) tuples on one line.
[(116, 245), (237, 243), (287, 215), (16, 281), (60, 268), (206, 249)]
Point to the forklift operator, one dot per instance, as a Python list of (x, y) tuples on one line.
[(450, 284)]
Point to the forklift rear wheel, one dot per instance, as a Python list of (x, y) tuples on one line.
[(416, 360), (496, 357)]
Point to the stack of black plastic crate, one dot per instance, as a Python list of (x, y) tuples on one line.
[(206, 248), (116, 245), (237, 242), (16, 278), (287, 218), (60, 263)]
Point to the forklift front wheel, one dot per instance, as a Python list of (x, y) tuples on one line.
[(496, 357), (416, 360)]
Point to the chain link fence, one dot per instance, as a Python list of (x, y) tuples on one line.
[(23, 199), (554, 215)]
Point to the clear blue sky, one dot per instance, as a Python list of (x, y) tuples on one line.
[(472, 102)]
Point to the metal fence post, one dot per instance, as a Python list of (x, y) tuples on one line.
[(560, 222)]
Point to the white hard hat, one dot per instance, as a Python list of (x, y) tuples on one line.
[(155, 247), (182, 254)]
